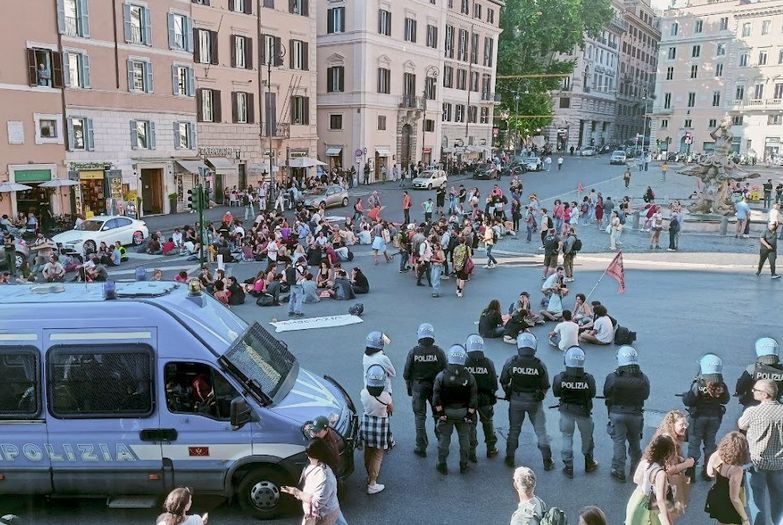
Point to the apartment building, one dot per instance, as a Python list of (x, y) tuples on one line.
[(394, 78), (130, 122), (718, 59), (638, 66), (255, 72), (33, 146)]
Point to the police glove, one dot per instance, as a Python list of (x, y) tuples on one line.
[(410, 389)]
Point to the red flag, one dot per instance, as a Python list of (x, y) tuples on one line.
[(617, 271), (580, 188)]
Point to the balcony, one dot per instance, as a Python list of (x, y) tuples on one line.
[(620, 24), (410, 102), (758, 103), (490, 97)]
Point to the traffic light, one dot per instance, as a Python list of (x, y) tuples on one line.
[(193, 199)]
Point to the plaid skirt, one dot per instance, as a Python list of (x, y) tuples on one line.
[(375, 432)]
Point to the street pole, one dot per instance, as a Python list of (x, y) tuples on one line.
[(270, 202), (202, 230), (516, 121)]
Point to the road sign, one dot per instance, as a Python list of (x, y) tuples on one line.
[(357, 153)]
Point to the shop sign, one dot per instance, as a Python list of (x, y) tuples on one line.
[(91, 175), (81, 166), (219, 151), (22, 176)]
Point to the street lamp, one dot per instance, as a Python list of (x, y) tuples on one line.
[(274, 58), (516, 121), (430, 73)]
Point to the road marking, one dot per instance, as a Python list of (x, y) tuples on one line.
[(188, 269)]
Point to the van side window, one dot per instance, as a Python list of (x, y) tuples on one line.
[(20, 393), (196, 388), (100, 381)]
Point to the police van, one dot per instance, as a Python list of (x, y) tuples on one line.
[(129, 390)]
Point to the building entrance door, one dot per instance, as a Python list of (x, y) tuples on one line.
[(152, 191), (405, 146)]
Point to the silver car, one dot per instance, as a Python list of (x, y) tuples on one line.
[(332, 196), (22, 254)]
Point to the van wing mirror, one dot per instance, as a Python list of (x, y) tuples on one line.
[(241, 413)]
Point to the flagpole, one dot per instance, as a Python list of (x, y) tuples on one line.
[(602, 276)]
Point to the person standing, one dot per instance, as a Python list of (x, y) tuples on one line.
[(424, 362), (656, 226), (455, 398), (462, 264), (560, 161), (437, 261), (374, 355), (768, 250), (615, 226), (664, 169), (706, 401), (531, 508), (627, 176), (525, 381), (489, 242), (674, 229), (767, 366), (767, 187), (406, 207), (576, 389), (571, 246), (649, 503), (551, 245), (625, 390), (548, 162), (296, 297), (764, 427), (319, 487), (440, 199), (742, 213), (725, 500), (483, 370), (375, 430), (424, 262), (427, 206)]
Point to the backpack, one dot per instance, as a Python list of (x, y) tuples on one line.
[(550, 243), (554, 516), (494, 235), (623, 336), (577, 245)]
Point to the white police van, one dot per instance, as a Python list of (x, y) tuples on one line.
[(129, 391)]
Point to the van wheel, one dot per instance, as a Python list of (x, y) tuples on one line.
[(259, 492)]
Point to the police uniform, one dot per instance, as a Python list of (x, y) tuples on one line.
[(424, 362), (625, 390), (705, 409), (525, 381), (454, 396), (483, 370), (767, 366), (576, 390)]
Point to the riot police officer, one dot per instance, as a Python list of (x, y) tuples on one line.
[(625, 390), (454, 396), (525, 381), (483, 370), (767, 366), (706, 400), (576, 390), (424, 362)]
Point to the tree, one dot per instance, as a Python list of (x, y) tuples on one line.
[(539, 38)]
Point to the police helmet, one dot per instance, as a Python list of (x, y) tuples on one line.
[(766, 346), (474, 343), (575, 357), (376, 376), (627, 355), (457, 355), (426, 330), (711, 368), (526, 343), (375, 340)]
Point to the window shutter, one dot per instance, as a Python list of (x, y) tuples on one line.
[(380, 21), (329, 79), (176, 135), (278, 57), (291, 53), (233, 41), (415, 32), (342, 79), (291, 6), (69, 131), (305, 56), (306, 8), (217, 108), (57, 70), (61, 16), (199, 106), (86, 71), (187, 34), (196, 47), (84, 18), (130, 75), (248, 53), (126, 17), (151, 130), (232, 5), (306, 110), (213, 45), (147, 27), (67, 70), (148, 84), (261, 50), (172, 36), (134, 137), (234, 107), (248, 7), (174, 80), (32, 68), (251, 108), (192, 135), (191, 82), (330, 21), (89, 135)]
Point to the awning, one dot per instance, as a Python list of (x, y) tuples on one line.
[(304, 162), (383, 152), (261, 168), (447, 150), (334, 151), (192, 166), (223, 165)]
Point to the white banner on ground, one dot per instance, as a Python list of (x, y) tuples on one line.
[(328, 321)]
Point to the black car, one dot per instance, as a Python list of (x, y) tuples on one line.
[(486, 171), (515, 167)]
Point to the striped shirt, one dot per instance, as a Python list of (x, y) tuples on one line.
[(764, 424)]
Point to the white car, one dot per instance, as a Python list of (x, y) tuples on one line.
[(589, 151), (618, 157), (430, 179), (533, 163), (103, 228)]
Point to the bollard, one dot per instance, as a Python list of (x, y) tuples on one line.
[(636, 220), (724, 225)]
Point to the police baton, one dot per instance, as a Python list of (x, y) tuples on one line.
[(558, 405)]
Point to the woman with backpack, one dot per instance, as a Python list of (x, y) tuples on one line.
[(650, 502)]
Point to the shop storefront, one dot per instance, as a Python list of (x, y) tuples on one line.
[(36, 200), (100, 190), (334, 155), (381, 164)]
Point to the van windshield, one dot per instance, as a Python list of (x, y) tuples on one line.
[(261, 363)]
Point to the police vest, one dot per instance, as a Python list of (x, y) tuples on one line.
[(527, 375), (627, 389), (481, 368), (455, 389), (575, 390), (425, 365), (772, 372)]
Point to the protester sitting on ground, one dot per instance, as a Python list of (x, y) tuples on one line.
[(310, 290), (602, 332), (53, 271), (168, 247), (554, 308), (207, 282), (342, 289), (523, 303), (181, 277), (104, 253), (491, 321), (153, 246), (274, 289), (325, 277), (236, 293), (255, 285), (518, 322), (364, 235), (359, 282), (220, 293), (582, 312), (566, 333), (95, 272)]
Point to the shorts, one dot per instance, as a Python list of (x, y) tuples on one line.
[(550, 261), (462, 275), (657, 229)]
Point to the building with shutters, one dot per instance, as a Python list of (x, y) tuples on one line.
[(405, 81), (255, 75)]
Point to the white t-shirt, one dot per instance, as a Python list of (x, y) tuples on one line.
[(604, 331), (569, 334), (192, 519), (375, 406), (271, 251)]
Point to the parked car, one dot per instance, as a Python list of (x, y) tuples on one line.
[(430, 179), (22, 254), (588, 151), (486, 171), (618, 157), (533, 163), (515, 167), (102, 228), (332, 196)]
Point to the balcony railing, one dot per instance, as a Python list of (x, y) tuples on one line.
[(410, 102), (759, 103), (491, 97)]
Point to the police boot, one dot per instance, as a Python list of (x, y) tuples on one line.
[(420, 452), (463, 467), (590, 464), (442, 468), (472, 456), (549, 464), (704, 474), (509, 461), (492, 452), (568, 470)]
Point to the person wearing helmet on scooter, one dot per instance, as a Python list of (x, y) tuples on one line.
[(454, 396), (767, 366), (424, 362), (525, 381), (625, 390), (576, 390), (483, 370)]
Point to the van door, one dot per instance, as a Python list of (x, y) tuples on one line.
[(104, 428), (24, 459), (198, 399)]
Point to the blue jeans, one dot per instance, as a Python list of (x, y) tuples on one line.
[(295, 299), (435, 271), (491, 259), (529, 233), (568, 422), (403, 260), (759, 502)]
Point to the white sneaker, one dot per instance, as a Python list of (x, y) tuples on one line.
[(487, 266), (375, 488)]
